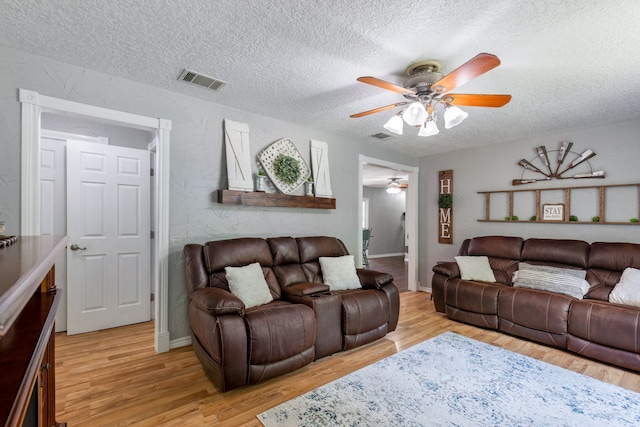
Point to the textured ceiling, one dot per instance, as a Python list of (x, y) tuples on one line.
[(567, 63)]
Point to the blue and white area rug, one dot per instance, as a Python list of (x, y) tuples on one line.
[(453, 380)]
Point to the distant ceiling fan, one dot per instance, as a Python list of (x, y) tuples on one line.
[(426, 88), (394, 187)]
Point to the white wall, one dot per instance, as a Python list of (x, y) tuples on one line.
[(493, 167), (385, 216), (197, 162)]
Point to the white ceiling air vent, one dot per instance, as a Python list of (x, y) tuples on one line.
[(382, 135), (201, 80)]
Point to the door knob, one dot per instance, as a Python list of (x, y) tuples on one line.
[(75, 247)]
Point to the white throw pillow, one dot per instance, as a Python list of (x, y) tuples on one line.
[(566, 281), (627, 290), (339, 272), (475, 268), (248, 284)]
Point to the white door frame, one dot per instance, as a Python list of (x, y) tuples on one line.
[(33, 104), (411, 218)]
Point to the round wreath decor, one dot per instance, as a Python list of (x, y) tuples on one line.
[(286, 168)]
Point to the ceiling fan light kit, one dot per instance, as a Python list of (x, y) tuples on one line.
[(415, 114), (393, 187), (453, 116), (394, 124), (426, 89), (429, 128)]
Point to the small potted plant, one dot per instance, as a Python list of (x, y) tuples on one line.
[(573, 218), (595, 219), (308, 186), (261, 181), (532, 218), (633, 220), (445, 201)]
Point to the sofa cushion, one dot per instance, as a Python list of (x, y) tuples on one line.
[(607, 324), (312, 248), (248, 284), (614, 256), (339, 272), (284, 250), (495, 247), (556, 252), (627, 291), (552, 279), (277, 331), (533, 309), (475, 268), (236, 253), (363, 311)]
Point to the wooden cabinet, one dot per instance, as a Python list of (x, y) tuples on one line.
[(28, 303)]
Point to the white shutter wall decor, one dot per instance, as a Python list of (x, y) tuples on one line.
[(236, 138), (320, 168)]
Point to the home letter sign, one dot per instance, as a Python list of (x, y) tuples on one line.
[(236, 138), (445, 206)]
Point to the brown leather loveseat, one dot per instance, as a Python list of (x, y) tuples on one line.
[(591, 326), (305, 321)]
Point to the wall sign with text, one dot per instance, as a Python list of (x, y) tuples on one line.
[(553, 212), (445, 206)]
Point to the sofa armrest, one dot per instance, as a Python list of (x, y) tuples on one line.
[(216, 302), (304, 288), (370, 279), (449, 269)]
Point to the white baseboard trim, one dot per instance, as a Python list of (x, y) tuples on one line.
[(180, 342), (424, 289), (385, 255)]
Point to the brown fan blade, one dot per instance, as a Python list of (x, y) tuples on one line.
[(476, 100), (473, 68), (377, 110), (384, 85)]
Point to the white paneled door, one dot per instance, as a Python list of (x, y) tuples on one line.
[(53, 208), (108, 270)]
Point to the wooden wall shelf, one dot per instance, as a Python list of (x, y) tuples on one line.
[(602, 190), (256, 198)]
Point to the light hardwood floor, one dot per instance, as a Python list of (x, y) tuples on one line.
[(395, 266), (114, 377)]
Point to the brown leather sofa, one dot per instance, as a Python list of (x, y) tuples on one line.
[(592, 327), (304, 322)]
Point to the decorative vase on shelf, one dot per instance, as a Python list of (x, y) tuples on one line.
[(308, 188), (261, 183)]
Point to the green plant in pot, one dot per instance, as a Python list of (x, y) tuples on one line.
[(261, 180), (445, 201), (573, 218), (308, 186)]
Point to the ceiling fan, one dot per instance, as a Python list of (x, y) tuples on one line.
[(426, 89), (394, 187)]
